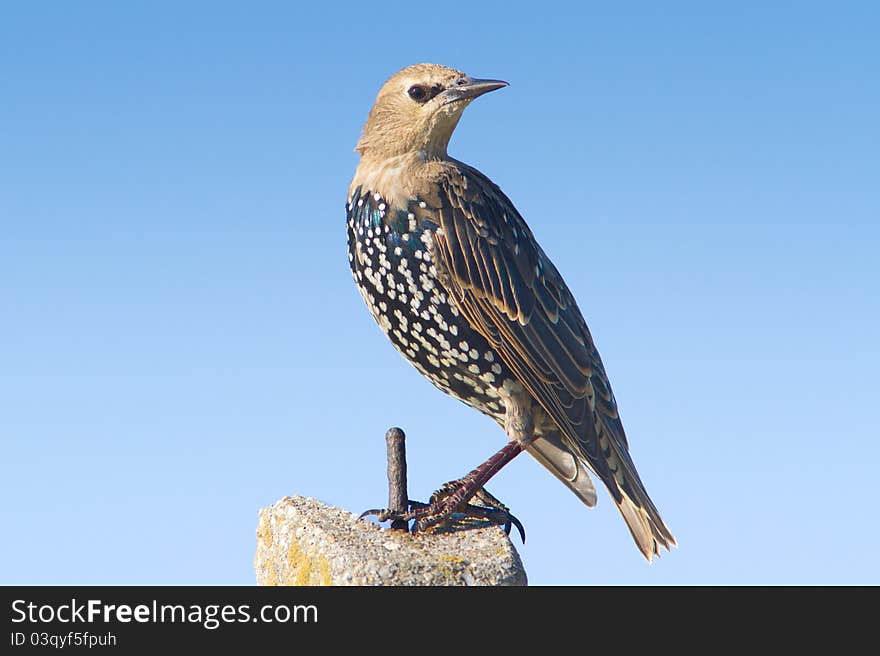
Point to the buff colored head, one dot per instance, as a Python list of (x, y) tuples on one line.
[(417, 110)]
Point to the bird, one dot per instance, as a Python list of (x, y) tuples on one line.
[(455, 278)]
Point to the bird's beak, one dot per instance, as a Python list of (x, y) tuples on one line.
[(468, 88)]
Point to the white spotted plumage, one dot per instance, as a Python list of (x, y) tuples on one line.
[(391, 262)]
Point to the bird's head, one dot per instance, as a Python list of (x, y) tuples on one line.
[(417, 109)]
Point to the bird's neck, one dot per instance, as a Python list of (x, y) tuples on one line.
[(398, 178)]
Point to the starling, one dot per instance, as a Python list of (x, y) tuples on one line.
[(454, 277)]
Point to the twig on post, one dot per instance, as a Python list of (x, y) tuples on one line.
[(398, 498)]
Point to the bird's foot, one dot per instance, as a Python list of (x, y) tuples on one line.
[(446, 510), (487, 508)]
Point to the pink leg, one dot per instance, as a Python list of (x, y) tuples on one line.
[(457, 493)]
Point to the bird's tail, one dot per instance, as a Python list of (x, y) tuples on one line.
[(639, 512), (552, 452), (646, 526), (627, 490)]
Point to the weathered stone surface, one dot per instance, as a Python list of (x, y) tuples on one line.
[(301, 541)]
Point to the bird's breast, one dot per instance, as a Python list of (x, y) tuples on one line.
[(391, 254)]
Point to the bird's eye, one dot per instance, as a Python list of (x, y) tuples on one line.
[(418, 93)]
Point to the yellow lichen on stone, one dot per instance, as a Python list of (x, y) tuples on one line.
[(264, 531), (301, 542), (298, 565), (271, 577), (324, 570), (450, 567), (449, 558), (304, 569), (266, 572)]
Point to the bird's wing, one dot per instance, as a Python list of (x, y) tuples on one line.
[(510, 291)]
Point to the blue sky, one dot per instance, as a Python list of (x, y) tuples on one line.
[(181, 342)]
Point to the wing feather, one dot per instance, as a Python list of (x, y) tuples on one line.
[(510, 291)]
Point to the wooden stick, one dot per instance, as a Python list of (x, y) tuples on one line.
[(398, 498)]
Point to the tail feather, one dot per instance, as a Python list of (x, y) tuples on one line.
[(614, 466), (639, 512), (629, 494), (551, 451), (646, 527)]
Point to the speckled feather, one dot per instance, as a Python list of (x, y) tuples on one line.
[(455, 278), (506, 286), (391, 256)]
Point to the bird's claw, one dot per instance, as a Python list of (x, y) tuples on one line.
[(442, 514), (496, 512), (385, 515)]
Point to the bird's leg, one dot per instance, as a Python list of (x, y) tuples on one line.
[(485, 507), (454, 496)]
